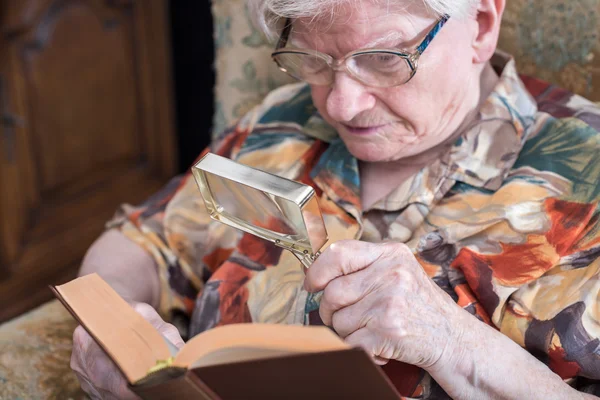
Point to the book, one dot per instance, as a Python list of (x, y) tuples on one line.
[(237, 361)]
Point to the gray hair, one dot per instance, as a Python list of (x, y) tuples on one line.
[(266, 14)]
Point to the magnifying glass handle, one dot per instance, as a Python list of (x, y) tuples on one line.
[(306, 259)]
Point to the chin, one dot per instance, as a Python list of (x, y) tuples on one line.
[(368, 153), (375, 148)]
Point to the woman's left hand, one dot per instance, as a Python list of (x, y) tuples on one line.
[(378, 296)]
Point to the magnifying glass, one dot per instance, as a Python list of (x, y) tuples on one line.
[(271, 207)]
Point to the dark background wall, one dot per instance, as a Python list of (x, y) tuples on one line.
[(193, 59)]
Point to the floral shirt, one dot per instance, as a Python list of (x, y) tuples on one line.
[(506, 222)]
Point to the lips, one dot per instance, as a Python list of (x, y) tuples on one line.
[(363, 130)]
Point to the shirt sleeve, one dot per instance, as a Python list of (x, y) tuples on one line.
[(559, 312), (175, 229), (540, 285), (543, 292)]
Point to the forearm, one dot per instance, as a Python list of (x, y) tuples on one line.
[(487, 364), (125, 266)]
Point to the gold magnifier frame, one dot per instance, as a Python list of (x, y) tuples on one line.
[(271, 207)]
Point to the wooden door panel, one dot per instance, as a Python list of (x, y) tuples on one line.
[(53, 253), (70, 93), (82, 91), (87, 85), (15, 206)]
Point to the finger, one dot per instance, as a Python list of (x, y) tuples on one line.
[(380, 361), (119, 391), (149, 314), (342, 292), (341, 258), (354, 317), (98, 375), (110, 395), (169, 331), (172, 334), (81, 341), (101, 370), (106, 377), (370, 343), (88, 387)]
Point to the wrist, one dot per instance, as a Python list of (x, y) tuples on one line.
[(454, 359), (481, 360)]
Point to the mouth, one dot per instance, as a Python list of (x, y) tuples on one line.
[(363, 130)]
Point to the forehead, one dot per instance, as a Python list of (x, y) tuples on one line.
[(357, 24)]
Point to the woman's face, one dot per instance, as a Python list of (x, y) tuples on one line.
[(388, 124)]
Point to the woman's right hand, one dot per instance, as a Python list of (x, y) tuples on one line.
[(98, 375)]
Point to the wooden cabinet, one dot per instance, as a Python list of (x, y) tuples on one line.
[(86, 123)]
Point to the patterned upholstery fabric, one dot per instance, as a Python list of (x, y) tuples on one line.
[(555, 40), (35, 351), (245, 72)]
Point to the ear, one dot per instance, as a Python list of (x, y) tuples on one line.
[(488, 17)]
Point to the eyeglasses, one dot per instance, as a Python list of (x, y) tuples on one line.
[(372, 67)]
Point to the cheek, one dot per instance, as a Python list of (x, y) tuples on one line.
[(434, 92), (412, 102), (449, 69), (319, 97)]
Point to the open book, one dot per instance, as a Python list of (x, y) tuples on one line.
[(240, 361)]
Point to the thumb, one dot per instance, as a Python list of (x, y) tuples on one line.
[(172, 334), (342, 258), (169, 331), (365, 339)]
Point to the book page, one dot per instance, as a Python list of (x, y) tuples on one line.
[(238, 354), (248, 341), (129, 340)]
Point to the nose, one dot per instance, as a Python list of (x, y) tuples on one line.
[(348, 98)]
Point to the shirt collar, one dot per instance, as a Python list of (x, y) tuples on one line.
[(488, 148), (482, 156)]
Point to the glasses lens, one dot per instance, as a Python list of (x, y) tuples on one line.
[(307, 67), (380, 68)]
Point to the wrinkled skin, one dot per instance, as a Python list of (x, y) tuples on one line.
[(97, 374), (377, 296)]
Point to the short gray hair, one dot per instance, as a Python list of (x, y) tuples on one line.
[(266, 14)]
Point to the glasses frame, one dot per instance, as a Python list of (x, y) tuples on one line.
[(340, 65)]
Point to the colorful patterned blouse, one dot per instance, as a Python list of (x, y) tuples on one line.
[(506, 223)]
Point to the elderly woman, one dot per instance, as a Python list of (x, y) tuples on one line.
[(463, 213)]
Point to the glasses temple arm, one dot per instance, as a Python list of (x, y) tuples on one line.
[(285, 34), (432, 33)]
